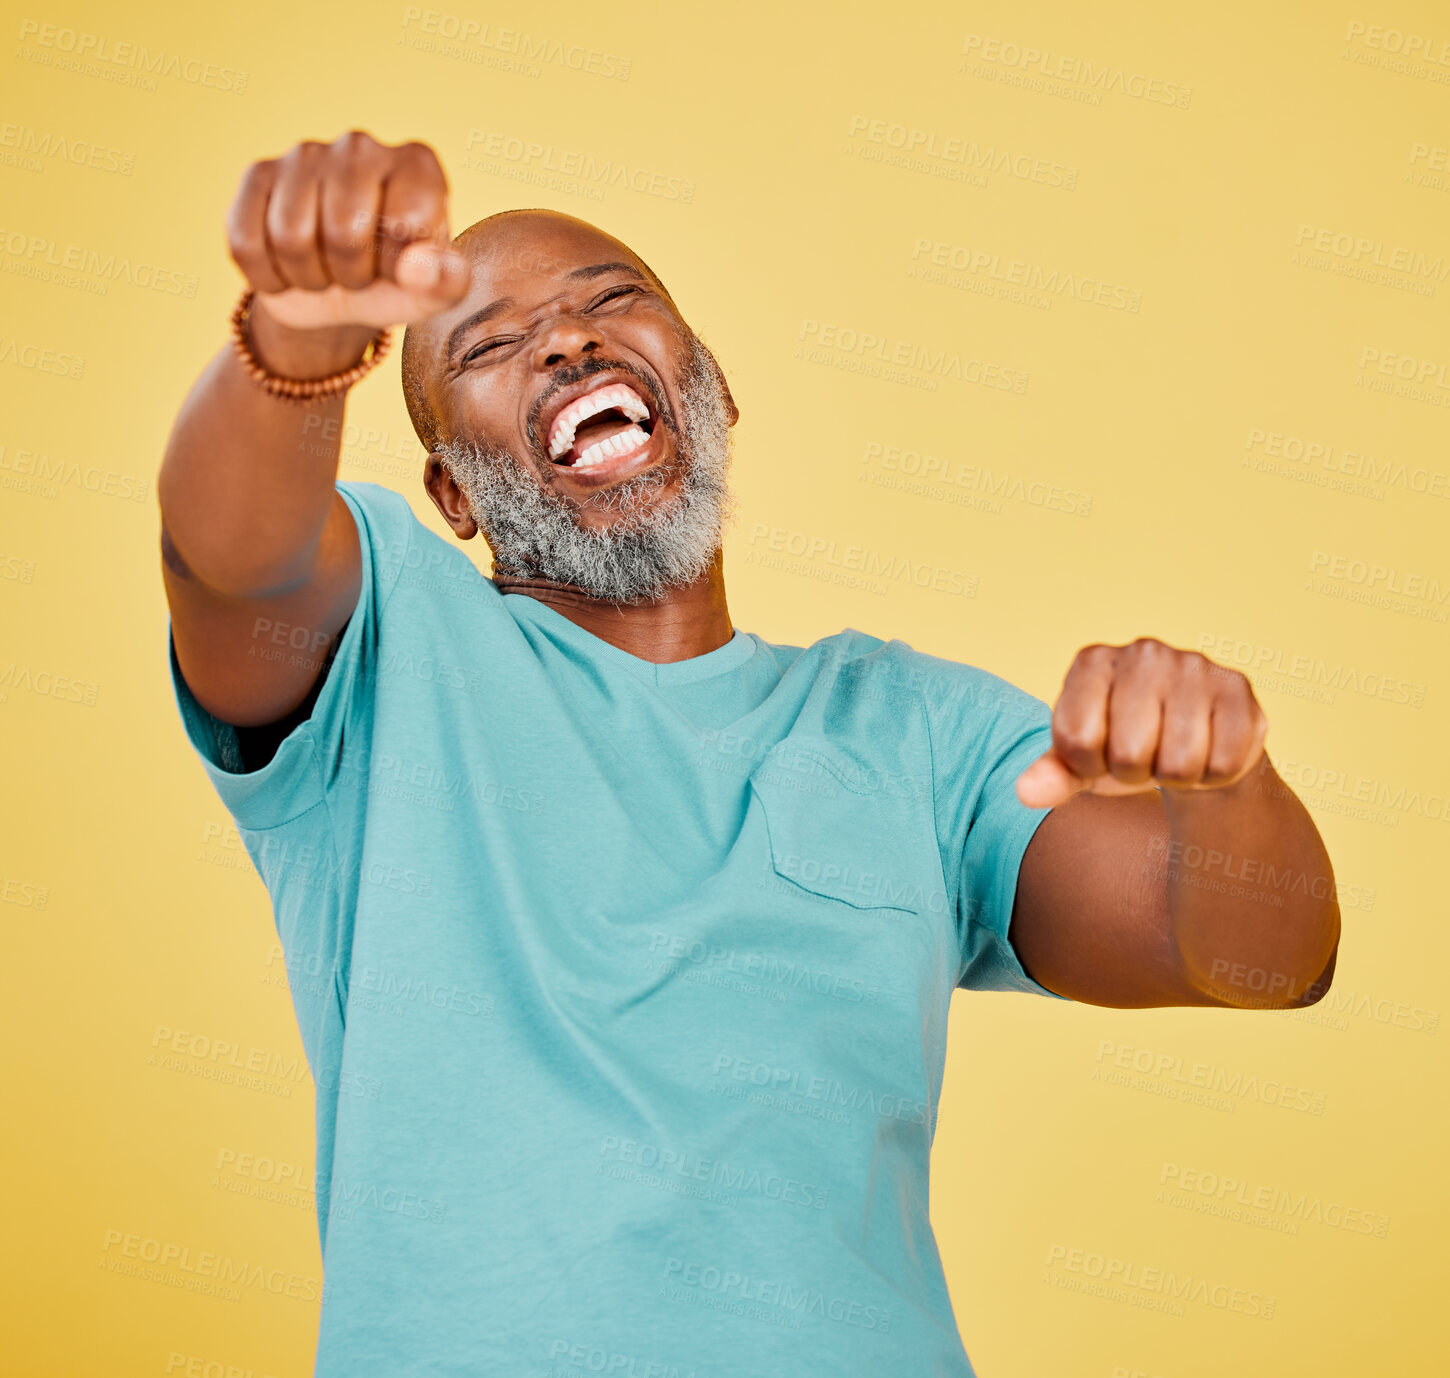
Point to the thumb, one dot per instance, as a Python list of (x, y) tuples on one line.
[(436, 277), (1047, 782)]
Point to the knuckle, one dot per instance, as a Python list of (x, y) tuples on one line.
[(301, 154), (1236, 691), (244, 245), (352, 152), (1177, 771), (422, 163), (344, 226), (291, 242), (413, 201), (1127, 756), (1221, 765), (345, 251), (1224, 675), (1074, 739), (259, 172)]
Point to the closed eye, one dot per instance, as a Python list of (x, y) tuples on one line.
[(613, 292), (478, 351)]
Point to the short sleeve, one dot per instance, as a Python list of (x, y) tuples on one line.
[(305, 764), (985, 733)]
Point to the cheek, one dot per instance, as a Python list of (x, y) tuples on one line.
[(486, 412)]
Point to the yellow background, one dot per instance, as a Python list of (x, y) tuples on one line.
[(130, 909)]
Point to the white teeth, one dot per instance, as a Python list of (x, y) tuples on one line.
[(624, 442), (568, 421)]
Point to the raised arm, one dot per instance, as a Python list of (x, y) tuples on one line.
[(260, 555), (1215, 891)]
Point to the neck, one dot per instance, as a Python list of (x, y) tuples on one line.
[(683, 623)]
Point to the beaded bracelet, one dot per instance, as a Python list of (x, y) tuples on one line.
[(302, 389)]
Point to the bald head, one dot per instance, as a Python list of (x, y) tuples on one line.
[(514, 254)]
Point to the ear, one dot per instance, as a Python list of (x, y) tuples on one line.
[(724, 385), (448, 498)]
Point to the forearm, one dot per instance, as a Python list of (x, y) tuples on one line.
[(247, 480), (1250, 891)]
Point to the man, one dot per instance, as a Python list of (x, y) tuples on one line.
[(623, 940)]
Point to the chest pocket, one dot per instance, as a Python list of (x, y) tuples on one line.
[(851, 831)]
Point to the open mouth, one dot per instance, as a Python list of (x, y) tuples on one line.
[(612, 423)]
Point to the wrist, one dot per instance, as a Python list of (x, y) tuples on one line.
[(303, 354), (1248, 790)]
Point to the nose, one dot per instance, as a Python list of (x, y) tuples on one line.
[(567, 340)]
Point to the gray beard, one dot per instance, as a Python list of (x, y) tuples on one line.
[(651, 544)]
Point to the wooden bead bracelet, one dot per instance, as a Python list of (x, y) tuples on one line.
[(302, 389)]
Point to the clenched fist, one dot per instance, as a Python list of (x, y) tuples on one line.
[(348, 234), (1137, 717)]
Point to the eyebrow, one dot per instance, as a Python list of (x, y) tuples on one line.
[(599, 269), (455, 336), (494, 308)]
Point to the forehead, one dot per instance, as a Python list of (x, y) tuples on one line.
[(527, 258), (532, 254)]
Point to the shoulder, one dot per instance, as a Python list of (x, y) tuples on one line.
[(895, 673), (402, 552)]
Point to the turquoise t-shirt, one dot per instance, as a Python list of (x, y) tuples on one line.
[(624, 986)]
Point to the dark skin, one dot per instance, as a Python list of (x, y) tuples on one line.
[(492, 373), (1176, 867)]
